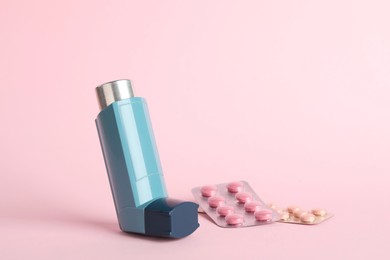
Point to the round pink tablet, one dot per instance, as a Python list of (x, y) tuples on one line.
[(243, 197), (308, 218), (292, 209), (319, 212), (252, 206), (263, 215), (208, 190), (225, 210), (216, 201), (234, 219), (299, 213), (284, 215), (235, 187)]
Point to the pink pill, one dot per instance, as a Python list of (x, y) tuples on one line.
[(216, 201), (252, 206), (235, 187), (299, 213), (319, 212), (243, 197), (208, 190), (234, 219), (284, 215), (292, 209), (308, 218), (225, 210), (263, 215)]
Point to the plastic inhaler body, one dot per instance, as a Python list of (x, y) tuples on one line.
[(134, 168)]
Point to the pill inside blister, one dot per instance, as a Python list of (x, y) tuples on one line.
[(208, 190), (234, 187), (263, 215), (284, 215), (234, 219), (225, 210), (299, 213), (243, 197), (308, 218), (318, 212), (252, 206), (292, 209), (216, 201)]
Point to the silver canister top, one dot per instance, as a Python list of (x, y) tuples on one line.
[(112, 91)]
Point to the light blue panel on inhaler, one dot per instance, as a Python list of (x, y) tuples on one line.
[(131, 159), (140, 149)]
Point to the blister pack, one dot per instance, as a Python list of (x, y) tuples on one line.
[(297, 215), (234, 204)]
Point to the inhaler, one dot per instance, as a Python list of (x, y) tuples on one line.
[(133, 167)]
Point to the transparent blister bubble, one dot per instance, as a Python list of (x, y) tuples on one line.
[(233, 204)]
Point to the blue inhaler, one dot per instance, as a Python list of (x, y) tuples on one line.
[(134, 169)]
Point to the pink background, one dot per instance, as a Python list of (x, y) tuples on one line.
[(292, 96)]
